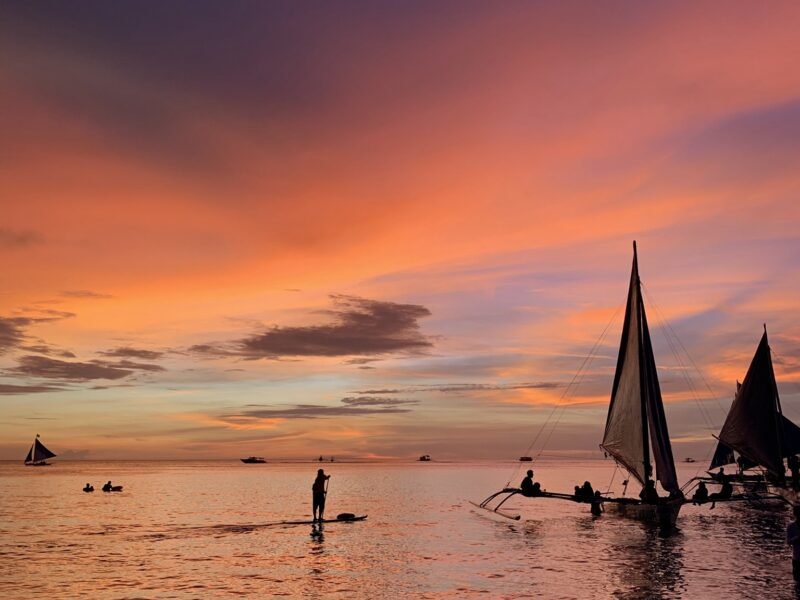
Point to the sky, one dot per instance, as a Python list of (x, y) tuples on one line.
[(387, 229)]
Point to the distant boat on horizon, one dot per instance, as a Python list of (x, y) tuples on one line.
[(253, 460), (38, 454), (425, 458), (525, 459)]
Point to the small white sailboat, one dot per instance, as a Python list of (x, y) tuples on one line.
[(38, 454), (636, 427)]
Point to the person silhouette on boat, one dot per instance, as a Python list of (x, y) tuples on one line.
[(649, 494), (578, 493), (720, 475), (725, 492), (88, 488), (700, 495), (527, 486), (318, 493), (793, 539), (587, 492), (107, 487), (597, 504)]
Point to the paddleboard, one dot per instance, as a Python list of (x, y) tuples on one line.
[(324, 521)]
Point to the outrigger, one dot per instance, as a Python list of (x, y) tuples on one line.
[(636, 426)]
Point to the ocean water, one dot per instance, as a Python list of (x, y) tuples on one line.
[(206, 530)]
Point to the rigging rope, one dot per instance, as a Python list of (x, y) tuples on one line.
[(674, 343), (560, 408)]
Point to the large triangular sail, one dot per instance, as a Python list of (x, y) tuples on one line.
[(636, 412), (755, 426), (38, 452)]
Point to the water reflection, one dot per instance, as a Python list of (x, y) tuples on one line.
[(647, 563)]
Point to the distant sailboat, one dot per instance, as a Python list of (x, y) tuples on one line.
[(755, 427), (38, 454), (635, 422)]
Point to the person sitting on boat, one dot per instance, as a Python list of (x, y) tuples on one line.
[(597, 504), (587, 491), (649, 494), (720, 475), (88, 488), (318, 494), (700, 494), (527, 486), (724, 493), (578, 493), (107, 487)]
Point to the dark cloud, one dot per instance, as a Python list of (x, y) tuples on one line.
[(47, 350), (361, 361), (12, 332), (372, 401), (129, 364), (40, 366), (85, 294), (13, 329), (464, 387), (11, 238), (359, 327), (128, 352), (310, 411), (12, 390)]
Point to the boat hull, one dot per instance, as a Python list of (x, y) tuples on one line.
[(657, 514)]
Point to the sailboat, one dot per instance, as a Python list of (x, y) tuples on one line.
[(636, 427), (38, 454), (756, 429), (636, 422)]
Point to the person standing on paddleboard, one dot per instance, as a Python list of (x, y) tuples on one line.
[(319, 491)]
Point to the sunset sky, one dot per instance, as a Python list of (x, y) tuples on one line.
[(387, 229)]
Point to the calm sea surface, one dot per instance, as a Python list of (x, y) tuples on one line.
[(202, 530)]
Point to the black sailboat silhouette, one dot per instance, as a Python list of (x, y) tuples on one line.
[(636, 426), (756, 429), (38, 454)]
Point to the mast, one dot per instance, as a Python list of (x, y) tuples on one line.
[(778, 411), (642, 362)]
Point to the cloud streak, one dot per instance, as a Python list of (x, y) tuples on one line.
[(359, 327)]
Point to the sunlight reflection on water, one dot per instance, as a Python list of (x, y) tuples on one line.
[(206, 529)]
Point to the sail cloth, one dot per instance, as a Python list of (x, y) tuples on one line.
[(659, 433), (38, 452), (624, 432), (754, 427), (636, 408)]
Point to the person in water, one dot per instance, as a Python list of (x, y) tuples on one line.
[(107, 487), (527, 484), (88, 488), (700, 494), (597, 504), (318, 494), (793, 539), (649, 494)]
